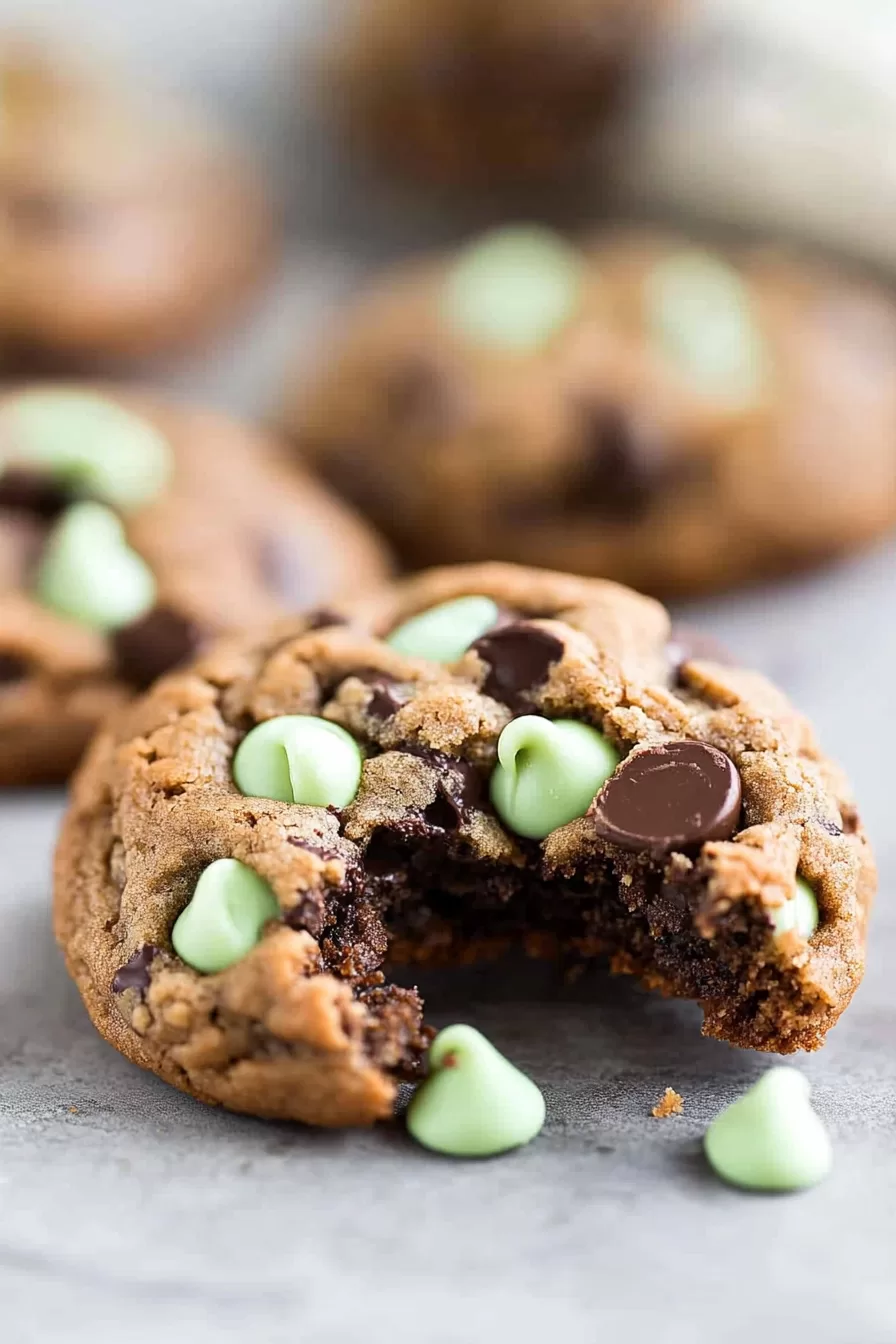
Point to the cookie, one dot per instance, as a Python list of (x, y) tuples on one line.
[(255, 843), (641, 409), (126, 226), (130, 533), (481, 91)]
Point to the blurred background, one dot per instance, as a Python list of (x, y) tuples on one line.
[(777, 119), (762, 119)]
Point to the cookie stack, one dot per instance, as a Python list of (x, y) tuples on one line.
[(300, 780)]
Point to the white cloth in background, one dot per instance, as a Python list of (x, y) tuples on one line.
[(778, 115)]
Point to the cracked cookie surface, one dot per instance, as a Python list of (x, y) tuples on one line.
[(421, 866)]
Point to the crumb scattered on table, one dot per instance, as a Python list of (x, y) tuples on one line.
[(671, 1103)]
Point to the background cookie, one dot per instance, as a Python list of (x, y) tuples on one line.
[(129, 533), (126, 225), (477, 91), (477, 758), (643, 409)]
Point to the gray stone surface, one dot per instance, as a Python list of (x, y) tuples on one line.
[(128, 1212)]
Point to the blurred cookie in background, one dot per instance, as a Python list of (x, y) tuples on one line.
[(126, 225), (130, 533), (479, 92), (641, 408)]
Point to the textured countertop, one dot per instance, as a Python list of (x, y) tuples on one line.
[(129, 1212)]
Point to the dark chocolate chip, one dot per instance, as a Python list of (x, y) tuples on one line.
[(153, 645), (385, 699), (12, 668), (385, 856), (830, 826), (458, 790), (622, 465), (387, 696), (519, 658), (134, 974), (442, 813), (323, 618), (419, 396), (32, 492), (686, 644), (670, 797), (309, 913)]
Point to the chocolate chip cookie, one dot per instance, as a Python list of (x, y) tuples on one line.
[(131, 532), (480, 91), (641, 408), (125, 225), (473, 759)]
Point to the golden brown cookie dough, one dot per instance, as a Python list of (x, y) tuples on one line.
[(234, 536), (125, 225), (483, 91), (690, 420), (418, 865)]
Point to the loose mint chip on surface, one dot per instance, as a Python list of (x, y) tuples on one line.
[(474, 1103), (771, 1139)]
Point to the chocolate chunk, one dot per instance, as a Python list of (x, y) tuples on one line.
[(686, 644), (385, 699), (32, 492), (323, 618), (519, 658), (669, 797), (309, 913), (459, 788), (134, 974), (830, 827), (161, 640), (387, 696), (386, 856), (442, 813), (622, 466), (12, 668)]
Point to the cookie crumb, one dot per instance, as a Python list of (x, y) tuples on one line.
[(670, 1103), (73, 1110)]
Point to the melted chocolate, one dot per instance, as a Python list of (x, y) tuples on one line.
[(134, 974)]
